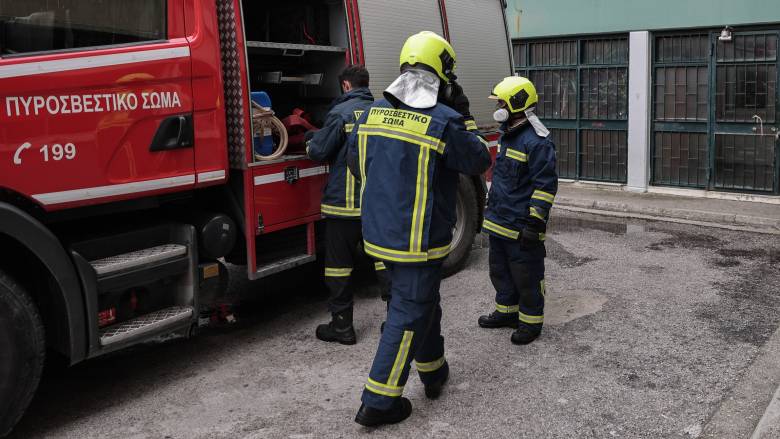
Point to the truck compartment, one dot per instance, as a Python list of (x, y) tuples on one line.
[(296, 51)]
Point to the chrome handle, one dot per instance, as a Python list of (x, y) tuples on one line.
[(759, 121)]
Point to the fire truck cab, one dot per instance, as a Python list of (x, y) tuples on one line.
[(129, 172)]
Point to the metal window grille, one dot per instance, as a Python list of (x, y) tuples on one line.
[(557, 93), (682, 48), (603, 155), (583, 98), (746, 90), (745, 162), (552, 53), (603, 93), (680, 159), (681, 93), (748, 48), (605, 51), (566, 151)]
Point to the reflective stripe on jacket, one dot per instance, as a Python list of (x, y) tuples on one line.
[(409, 160), (341, 197), (524, 184)]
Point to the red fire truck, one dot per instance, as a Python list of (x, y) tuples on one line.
[(128, 174)]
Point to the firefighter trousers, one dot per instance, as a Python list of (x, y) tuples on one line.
[(517, 273), (412, 332), (342, 241)]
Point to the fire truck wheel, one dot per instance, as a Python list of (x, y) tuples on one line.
[(465, 227), (22, 351)]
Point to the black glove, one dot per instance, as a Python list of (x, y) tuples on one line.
[(531, 234), (457, 100)]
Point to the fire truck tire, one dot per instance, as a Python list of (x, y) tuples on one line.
[(465, 227), (22, 351)]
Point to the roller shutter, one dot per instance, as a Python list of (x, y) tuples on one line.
[(386, 25), (479, 35)]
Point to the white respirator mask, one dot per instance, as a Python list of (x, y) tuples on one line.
[(501, 115)]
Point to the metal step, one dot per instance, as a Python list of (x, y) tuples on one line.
[(153, 255), (145, 325), (281, 265)]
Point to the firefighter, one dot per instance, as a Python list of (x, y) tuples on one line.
[(341, 204), (521, 196), (408, 150)]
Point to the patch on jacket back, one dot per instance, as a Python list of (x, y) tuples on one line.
[(408, 120)]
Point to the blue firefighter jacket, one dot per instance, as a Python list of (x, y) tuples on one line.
[(409, 161), (524, 184), (341, 197)]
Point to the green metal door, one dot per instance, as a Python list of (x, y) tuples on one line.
[(744, 120), (715, 111)]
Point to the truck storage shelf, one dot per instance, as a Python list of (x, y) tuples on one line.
[(291, 49), (281, 78)]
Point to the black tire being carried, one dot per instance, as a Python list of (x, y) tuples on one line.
[(22, 351), (465, 227)]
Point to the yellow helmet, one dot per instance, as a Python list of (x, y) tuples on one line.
[(429, 50), (519, 93)]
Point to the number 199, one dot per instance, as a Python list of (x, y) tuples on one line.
[(58, 152)]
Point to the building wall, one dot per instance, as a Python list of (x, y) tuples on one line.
[(539, 18)]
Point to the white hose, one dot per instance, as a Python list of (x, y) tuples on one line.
[(264, 119)]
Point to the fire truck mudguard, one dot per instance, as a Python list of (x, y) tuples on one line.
[(41, 242)]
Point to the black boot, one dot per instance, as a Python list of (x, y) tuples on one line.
[(499, 320), (371, 417), (433, 390), (339, 329), (525, 334)]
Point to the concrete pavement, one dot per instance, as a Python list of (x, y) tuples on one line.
[(651, 329), (763, 217)]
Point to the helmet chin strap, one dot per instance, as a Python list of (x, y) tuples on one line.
[(527, 117), (519, 120)]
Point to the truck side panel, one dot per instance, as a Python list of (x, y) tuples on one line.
[(79, 122)]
